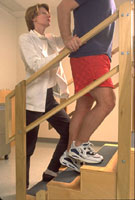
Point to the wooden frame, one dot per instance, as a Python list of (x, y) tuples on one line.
[(125, 96), (8, 121), (20, 136)]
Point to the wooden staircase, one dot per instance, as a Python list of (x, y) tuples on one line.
[(114, 180), (95, 181)]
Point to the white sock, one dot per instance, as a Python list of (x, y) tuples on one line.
[(50, 172)]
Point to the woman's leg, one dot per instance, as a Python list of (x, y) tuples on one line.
[(31, 139), (60, 122)]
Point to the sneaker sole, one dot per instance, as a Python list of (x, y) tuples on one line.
[(67, 164), (75, 156)]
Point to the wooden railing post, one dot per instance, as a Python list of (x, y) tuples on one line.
[(20, 137), (8, 118), (125, 96), (133, 98)]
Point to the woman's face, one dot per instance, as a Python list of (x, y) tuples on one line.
[(43, 18)]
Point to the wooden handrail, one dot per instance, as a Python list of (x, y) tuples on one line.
[(83, 39), (12, 94), (70, 82), (63, 54), (73, 98), (114, 51), (66, 51), (116, 85)]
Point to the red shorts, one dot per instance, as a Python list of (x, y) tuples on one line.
[(87, 69)]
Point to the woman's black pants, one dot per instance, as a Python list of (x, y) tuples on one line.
[(59, 121)]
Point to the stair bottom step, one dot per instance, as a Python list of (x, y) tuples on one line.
[(36, 188)]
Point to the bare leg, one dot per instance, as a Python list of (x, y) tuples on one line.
[(105, 102), (83, 106), (84, 122)]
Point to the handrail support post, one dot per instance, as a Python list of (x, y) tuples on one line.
[(20, 137)]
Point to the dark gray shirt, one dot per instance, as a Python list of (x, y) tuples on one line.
[(88, 15)]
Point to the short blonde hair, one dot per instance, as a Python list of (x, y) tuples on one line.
[(32, 12)]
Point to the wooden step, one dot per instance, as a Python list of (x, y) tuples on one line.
[(96, 181), (38, 191), (68, 179), (100, 180), (41, 195), (109, 152), (30, 197)]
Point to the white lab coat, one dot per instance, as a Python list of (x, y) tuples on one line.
[(33, 55)]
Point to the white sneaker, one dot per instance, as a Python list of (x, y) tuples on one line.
[(70, 162), (85, 153)]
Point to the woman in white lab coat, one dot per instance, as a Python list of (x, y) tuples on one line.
[(37, 49)]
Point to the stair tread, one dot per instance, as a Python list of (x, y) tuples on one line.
[(67, 176), (107, 151), (37, 187)]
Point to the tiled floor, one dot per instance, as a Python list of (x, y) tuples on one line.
[(39, 162)]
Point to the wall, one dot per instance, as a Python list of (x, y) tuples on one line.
[(7, 50)]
